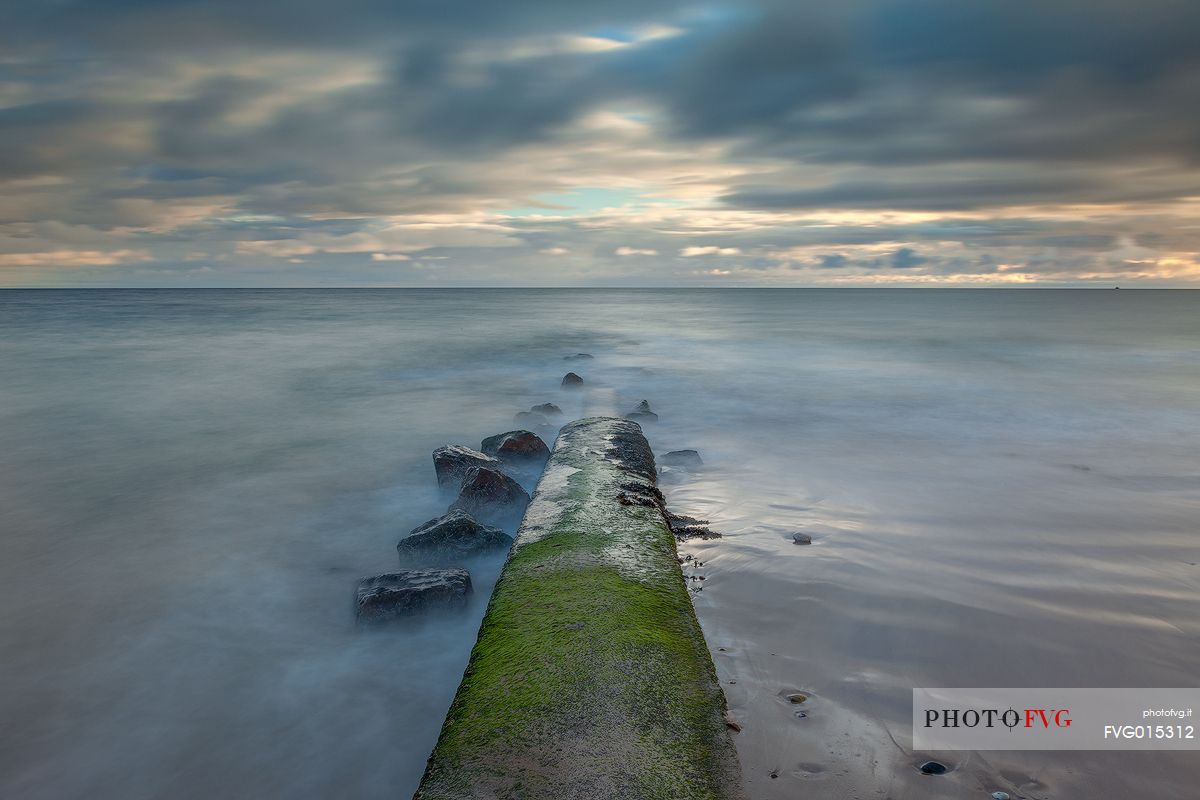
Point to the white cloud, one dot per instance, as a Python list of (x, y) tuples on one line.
[(72, 258), (710, 250), (634, 251)]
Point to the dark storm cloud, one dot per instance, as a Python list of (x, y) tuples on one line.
[(139, 26), (800, 82), (907, 82)]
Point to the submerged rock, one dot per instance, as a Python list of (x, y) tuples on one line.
[(571, 379), (531, 418), (682, 458), (397, 594), (516, 446), (490, 496), (452, 462), (672, 475), (579, 357), (642, 413), (801, 538), (547, 409), (453, 536)]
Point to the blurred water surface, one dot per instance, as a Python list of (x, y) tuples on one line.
[(1003, 489)]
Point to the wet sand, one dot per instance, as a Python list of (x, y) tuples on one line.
[(859, 617)]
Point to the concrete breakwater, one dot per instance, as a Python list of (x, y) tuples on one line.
[(590, 677)]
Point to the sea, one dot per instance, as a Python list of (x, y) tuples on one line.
[(1002, 488)]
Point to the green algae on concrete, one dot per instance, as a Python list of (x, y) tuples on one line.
[(590, 678)]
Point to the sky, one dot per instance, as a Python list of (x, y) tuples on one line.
[(608, 143)]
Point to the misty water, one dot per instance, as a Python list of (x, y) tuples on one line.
[(1003, 489)]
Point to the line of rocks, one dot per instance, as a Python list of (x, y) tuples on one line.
[(490, 502), (490, 499)]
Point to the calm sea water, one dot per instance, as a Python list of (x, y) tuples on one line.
[(1003, 488)]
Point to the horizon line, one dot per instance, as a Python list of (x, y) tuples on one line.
[(1133, 288)]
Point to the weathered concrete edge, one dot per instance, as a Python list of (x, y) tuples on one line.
[(590, 676)]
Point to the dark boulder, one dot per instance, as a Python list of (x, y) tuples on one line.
[(452, 462), (451, 537), (642, 413), (398, 594), (523, 447), (571, 379), (682, 458), (490, 496), (547, 409)]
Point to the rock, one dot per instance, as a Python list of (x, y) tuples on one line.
[(642, 413), (801, 538), (999, 795), (547, 409), (398, 594), (685, 527), (451, 537), (579, 357), (452, 462), (571, 379), (682, 458), (933, 768), (490, 496), (516, 446)]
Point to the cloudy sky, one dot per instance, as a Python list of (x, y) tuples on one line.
[(618, 142)]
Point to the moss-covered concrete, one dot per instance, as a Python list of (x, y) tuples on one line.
[(590, 678)]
